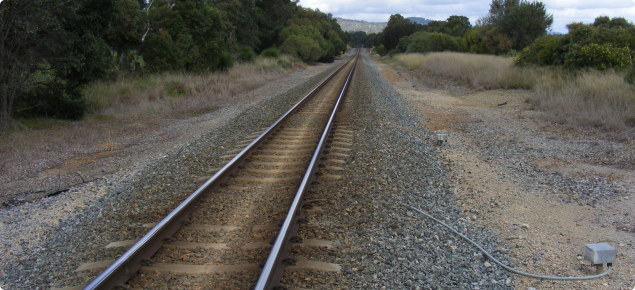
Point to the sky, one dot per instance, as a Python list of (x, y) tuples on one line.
[(563, 11)]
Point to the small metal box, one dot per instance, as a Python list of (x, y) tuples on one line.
[(442, 137), (601, 253)]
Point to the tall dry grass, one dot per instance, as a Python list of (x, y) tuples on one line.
[(182, 92), (583, 98), (478, 71), (115, 108), (591, 98)]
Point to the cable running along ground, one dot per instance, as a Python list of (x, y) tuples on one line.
[(510, 269)]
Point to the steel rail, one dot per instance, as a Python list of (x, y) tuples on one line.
[(140, 253), (273, 269)]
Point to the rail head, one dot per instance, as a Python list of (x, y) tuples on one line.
[(133, 259)]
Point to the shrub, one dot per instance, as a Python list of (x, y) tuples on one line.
[(422, 42), (302, 47), (160, 53), (271, 52), (597, 56), (472, 41), (497, 42), (51, 101), (246, 54), (304, 42), (225, 61), (601, 46), (546, 50), (381, 50)]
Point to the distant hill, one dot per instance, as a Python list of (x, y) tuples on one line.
[(360, 25), (370, 27), (419, 20)]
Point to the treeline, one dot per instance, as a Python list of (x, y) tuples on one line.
[(514, 28), (50, 49)]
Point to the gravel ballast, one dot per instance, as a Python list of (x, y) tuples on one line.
[(115, 207), (496, 181), (381, 243)]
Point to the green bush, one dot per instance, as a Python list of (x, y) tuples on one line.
[(304, 42), (597, 56), (546, 50), (271, 52), (422, 42), (472, 41), (225, 61), (302, 47), (246, 54), (54, 101), (497, 42), (602, 45), (381, 50), (160, 53)]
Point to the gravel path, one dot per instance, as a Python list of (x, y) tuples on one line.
[(44, 241)]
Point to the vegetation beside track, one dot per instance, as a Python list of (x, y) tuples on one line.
[(601, 99)]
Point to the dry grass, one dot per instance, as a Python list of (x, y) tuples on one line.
[(182, 92), (588, 98), (25, 152), (478, 71), (598, 99), (122, 111)]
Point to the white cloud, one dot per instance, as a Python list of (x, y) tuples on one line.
[(564, 11)]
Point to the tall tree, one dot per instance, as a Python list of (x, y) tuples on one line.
[(275, 14), (521, 20), (48, 50), (241, 19), (397, 28), (126, 29)]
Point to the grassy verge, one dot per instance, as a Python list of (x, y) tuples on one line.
[(585, 98), (122, 111), (182, 92)]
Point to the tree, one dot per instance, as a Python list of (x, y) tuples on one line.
[(520, 20), (397, 28), (274, 17), (453, 26), (48, 51), (241, 19), (126, 29), (497, 42), (605, 44), (457, 26), (473, 41), (305, 42), (423, 42), (185, 35), (357, 38)]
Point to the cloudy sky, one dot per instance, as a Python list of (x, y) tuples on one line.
[(563, 11)]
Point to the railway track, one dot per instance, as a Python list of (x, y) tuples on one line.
[(237, 230)]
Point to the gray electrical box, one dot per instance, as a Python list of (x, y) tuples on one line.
[(601, 253), (442, 137)]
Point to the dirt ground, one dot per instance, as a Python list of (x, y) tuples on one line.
[(544, 231)]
